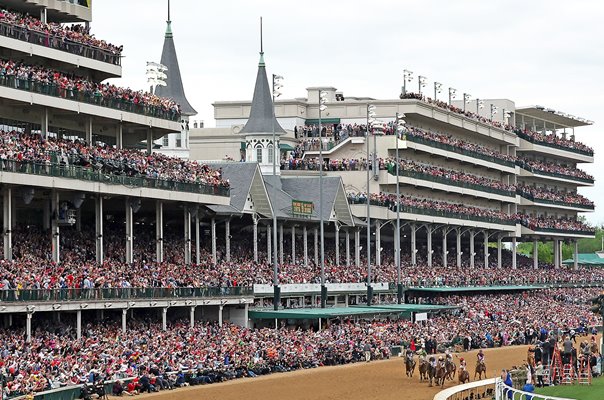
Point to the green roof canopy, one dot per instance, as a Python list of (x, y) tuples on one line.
[(586, 259), (323, 121), (286, 147), (333, 312)]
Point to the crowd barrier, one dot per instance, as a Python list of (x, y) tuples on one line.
[(493, 388)]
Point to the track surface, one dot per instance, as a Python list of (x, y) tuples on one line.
[(384, 380)]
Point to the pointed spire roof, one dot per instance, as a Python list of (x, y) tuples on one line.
[(174, 88), (262, 116)]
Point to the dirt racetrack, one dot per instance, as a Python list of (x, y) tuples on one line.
[(384, 380)]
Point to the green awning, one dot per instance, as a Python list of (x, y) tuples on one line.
[(286, 147), (333, 312), (592, 259), (323, 121), (473, 288)]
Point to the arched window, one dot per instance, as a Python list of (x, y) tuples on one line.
[(259, 154), (271, 154)]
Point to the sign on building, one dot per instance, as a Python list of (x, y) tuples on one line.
[(302, 208)]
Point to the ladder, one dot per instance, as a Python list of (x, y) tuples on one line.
[(584, 372), (555, 367)]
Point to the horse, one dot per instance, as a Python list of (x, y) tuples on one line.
[(480, 369), (423, 370), (431, 371), (409, 366), (441, 374), (450, 368), (464, 376)]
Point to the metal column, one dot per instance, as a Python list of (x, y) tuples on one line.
[(8, 215), (187, 234), (357, 247), (79, 324), (197, 239), (305, 241), (514, 265), (227, 239), (255, 236), (499, 245), (472, 252), (429, 244), (486, 249), (413, 244), (269, 239), (129, 232), (458, 248), (535, 254), (337, 240), (54, 223), (28, 327), (192, 316), (316, 246), (159, 231), (88, 129), (576, 255), (164, 318), (220, 308), (293, 244), (445, 247), (124, 317), (281, 244), (98, 213), (119, 136), (347, 247), (213, 229), (378, 243)]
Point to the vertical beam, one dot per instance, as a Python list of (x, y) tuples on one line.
[(79, 324), (535, 254), (197, 240), (220, 308), (98, 212), (54, 231), (164, 319), (192, 316), (255, 236), (576, 255), (458, 247), (159, 231), (514, 264), (472, 252), (149, 140), (413, 244), (337, 240), (119, 136), (187, 234), (124, 317), (347, 247), (305, 240), (246, 315), (429, 240), (293, 244), (44, 122), (129, 232), (556, 253), (269, 239), (378, 243), (357, 247), (213, 232), (499, 246), (88, 129), (227, 239), (7, 202), (444, 263), (281, 244), (486, 248), (43, 15), (28, 326), (316, 246)]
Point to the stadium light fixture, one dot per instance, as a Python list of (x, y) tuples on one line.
[(277, 85), (452, 94), (407, 77), (479, 105), (494, 110), (322, 107), (437, 89), (466, 100), (505, 115), (421, 82)]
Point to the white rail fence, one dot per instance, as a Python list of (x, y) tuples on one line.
[(493, 388)]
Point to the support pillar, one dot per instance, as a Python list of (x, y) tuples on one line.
[(429, 244), (556, 252), (337, 240), (255, 234), (413, 245), (7, 202), (499, 245), (316, 246), (514, 264), (220, 308), (88, 128), (227, 239), (293, 244), (197, 240), (281, 255), (129, 232), (576, 255), (486, 249), (187, 234), (79, 324), (269, 247), (472, 252), (149, 140), (213, 229), (192, 316), (444, 263), (159, 231), (28, 326), (44, 123), (458, 248), (347, 248), (164, 319), (54, 223), (378, 244), (246, 315), (119, 137), (305, 241), (535, 254), (357, 247), (124, 317)]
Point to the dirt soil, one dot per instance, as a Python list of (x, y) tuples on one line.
[(384, 380)]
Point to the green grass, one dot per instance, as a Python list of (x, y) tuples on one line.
[(595, 391)]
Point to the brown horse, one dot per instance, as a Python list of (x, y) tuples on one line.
[(441, 374), (423, 370), (464, 376), (409, 367), (481, 368), (450, 368), (431, 371)]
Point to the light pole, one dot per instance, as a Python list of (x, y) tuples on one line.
[(466, 100), (407, 77), (322, 107), (437, 89), (452, 94), (370, 118), (493, 111), (479, 106), (277, 79), (400, 123), (421, 82)]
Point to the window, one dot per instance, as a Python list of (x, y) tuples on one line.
[(259, 155), (178, 142), (271, 154), (165, 142)]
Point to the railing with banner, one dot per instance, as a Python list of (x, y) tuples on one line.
[(59, 43), (86, 96), (89, 174), (450, 182), (265, 289), (78, 294), (458, 150), (70, 392)]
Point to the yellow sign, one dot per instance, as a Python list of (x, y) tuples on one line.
[(302, 208)]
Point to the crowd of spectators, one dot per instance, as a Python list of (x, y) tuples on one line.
[(552, 168), (541, 193), (533, 136), (208, 353), (553, 223), (26, 148), (56, 35), (70, 86)]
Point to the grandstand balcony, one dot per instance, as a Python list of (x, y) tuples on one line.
[(529, 145), (557, 233), (527, 171), (526, 199), (56, 10)]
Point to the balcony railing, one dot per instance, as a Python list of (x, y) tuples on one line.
[(89, 174), (554, 174), (89, 97), (458, 150), (450, 182), (530, 197), (59, 43), (73, 294), (529, 138), (434, 213), (557, 230)]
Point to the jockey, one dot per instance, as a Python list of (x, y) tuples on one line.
[(433, 362), (422, 354), (462, 364), (480, 356), (441, 361), (448, 355), (409, 354)]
